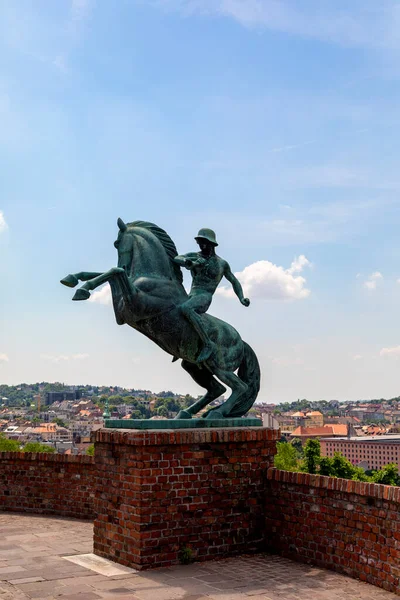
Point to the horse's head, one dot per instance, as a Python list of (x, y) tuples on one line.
[(124, 245), (144, 249)]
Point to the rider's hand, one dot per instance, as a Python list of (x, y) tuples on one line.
[(200, 261), (245, 301)]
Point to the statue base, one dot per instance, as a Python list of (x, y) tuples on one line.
[(161, 495), (166, 424)]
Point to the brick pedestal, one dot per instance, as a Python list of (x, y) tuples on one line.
[(158, 492)]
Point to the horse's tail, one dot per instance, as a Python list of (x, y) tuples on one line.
[(249, 373)]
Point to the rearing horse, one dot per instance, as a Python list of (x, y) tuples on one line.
[(147, 291)]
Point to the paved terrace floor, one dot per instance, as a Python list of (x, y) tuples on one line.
[(33, 565)]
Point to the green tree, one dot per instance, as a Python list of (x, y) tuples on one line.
[(7, 445), (188, 401), (342, 467), (115, 400), (296, 443), (286, 457), (90, 450), (312, 455), (326, 466), (38, 447), (388, 475), (59, 422), (162, 411), (360, 475)]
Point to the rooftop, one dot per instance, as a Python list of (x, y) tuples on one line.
[(394, 439), (334, 429), (42, 557)]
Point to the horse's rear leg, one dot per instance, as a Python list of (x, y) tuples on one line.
[(238, 388), (205, 379)]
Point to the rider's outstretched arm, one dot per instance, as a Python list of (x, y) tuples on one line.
[(186, 260), (237, 288)]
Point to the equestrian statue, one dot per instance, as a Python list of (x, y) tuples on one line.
[(148, 294)]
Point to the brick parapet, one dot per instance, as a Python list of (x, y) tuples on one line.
[(348, 526), (131, 437), (158, 492), (47, 484), (361, 488), (48, 457)]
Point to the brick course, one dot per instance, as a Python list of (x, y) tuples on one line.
[(47, 483), (158, 492), (348, 526)]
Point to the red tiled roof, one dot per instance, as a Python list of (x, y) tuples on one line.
[(326, 430)]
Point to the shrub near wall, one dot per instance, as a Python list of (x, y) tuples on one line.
[(47, 483), (348, 526)]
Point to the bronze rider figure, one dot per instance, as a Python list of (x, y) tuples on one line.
[(207, 270)]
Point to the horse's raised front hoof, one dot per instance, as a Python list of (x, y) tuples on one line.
[(214, 414), (183, 414), (70, 281), (81, 294)]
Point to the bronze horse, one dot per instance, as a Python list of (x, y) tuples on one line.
[(147, 291)]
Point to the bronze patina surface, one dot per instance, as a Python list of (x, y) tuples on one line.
[(148, 295)]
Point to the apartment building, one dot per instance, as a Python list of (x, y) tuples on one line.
[(369, 452)]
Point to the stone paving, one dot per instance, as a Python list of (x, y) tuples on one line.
[(33, 565)]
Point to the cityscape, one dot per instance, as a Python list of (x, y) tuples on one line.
[(199, 300), (63, 418)]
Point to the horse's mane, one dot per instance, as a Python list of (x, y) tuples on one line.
[(165, 240)]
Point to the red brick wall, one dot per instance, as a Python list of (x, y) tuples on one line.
[(160, 491), (347, 526), (47, 483)]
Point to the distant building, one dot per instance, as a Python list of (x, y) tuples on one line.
[(374, 452), (286, 423), (51, 397), (327, 431), (313, 418)]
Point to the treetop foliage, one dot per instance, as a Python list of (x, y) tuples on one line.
[(289, 459)]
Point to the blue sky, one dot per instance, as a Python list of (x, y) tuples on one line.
[(274, 122)]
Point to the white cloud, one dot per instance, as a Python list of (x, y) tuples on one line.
[(3, 224), (284, 361), (298, 264), (4, 358), (63, 357), (102, 296), (356, 23), (372, 281), (263, 279), (390, 352), (54, 359), (79, 356)]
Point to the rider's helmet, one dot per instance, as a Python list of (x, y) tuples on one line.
[(207, 234)]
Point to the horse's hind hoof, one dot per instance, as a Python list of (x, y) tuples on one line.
[(70, 281), (214, 414), (81, 294), (183, 414)]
